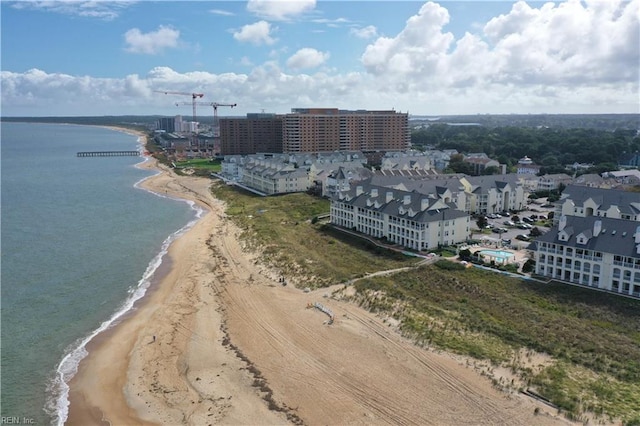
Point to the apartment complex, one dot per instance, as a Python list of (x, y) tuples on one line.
[(412, 220), (315, 130), (595, 240), (258, 132), (592, 251), (472, 194), (270, 174), (585, 201), (331, 129)]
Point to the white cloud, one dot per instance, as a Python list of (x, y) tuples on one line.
[(268, 87), (570, 57), (89, 9), (246, 61), (280, 10), (152, 42), (366, 32), (566, 46), (258, 33), (307, 58), (571, 43), (331, 22), (221, 12), (416, 49)]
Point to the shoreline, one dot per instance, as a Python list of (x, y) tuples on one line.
[(234, 347), (102, 392)]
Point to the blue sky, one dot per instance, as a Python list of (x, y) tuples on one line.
[(448, 57)]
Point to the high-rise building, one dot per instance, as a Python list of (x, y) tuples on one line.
[(258, 132), (167, 124), (315, 130), (331, 129)]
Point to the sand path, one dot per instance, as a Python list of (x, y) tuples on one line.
[(233, 346)]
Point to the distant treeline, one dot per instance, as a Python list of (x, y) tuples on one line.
[(130, 121), (567, 121), (552, 148)]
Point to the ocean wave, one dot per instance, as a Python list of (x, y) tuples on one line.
[(57, 406)]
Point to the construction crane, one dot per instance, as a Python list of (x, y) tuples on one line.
[(194, 96), (215, 105)]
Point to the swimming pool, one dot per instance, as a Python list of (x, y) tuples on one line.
[(498, 256)]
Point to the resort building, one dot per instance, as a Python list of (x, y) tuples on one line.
[(331, 129), (258, 132), (270, 173), (412, 220), (472, 194), (408, 160), (551, 182), (597, 252), (480, 162), (525, 166), (269, 178), (315, 130), (585, 201)]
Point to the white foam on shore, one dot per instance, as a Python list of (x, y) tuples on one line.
[(58, 403)]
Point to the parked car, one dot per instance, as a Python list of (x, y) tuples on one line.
[(522, 237), (509, 223)]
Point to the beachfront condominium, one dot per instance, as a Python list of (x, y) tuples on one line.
[(332, 129), (412, 220), (258, 132), (313, 130)]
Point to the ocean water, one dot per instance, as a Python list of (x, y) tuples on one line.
[(80, 242)]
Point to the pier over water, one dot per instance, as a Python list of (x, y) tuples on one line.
[(108, 154)]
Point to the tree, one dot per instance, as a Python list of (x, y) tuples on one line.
[(491, 170), (515, 218), (529, 265), (482, 222), (458, 165), (464, 254), (535, 232)]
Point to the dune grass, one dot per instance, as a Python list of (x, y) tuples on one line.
[(284, 230), (593, 338)]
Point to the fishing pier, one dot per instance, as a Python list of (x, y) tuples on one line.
[(108, 154)]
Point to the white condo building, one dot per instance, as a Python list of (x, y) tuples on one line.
[(412, 220), (591, 251)]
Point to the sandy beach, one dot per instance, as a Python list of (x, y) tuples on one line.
[(218, 340)]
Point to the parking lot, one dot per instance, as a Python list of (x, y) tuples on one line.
[(511, 232)]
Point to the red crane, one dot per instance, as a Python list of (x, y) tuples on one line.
[(215, 105)]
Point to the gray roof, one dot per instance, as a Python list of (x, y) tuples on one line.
[(616, 236), (436, 209), (483, 183), (627, 202)]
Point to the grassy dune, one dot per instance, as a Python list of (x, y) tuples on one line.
[(282, 229), (592, 339)]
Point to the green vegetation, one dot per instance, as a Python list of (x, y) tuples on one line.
[(201, 166), (552, 148), (284, 230), (593, 338)]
